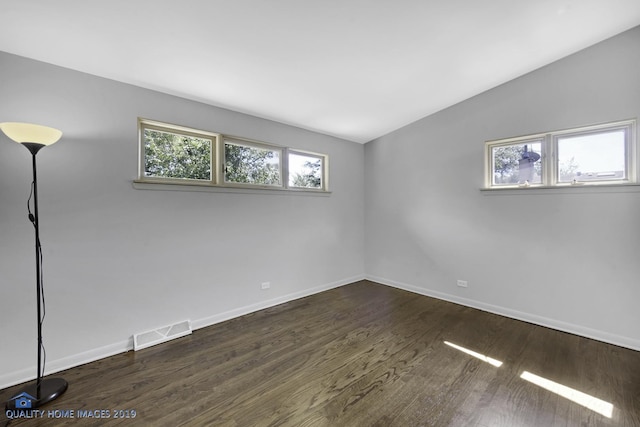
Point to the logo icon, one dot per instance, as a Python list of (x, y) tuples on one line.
[(23, 401)]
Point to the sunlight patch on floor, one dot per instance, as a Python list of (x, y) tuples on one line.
[(482, 357), (588, 401)]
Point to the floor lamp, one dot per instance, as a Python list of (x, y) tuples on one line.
[(34, 138)]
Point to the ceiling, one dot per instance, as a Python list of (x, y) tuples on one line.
[(355, 69)]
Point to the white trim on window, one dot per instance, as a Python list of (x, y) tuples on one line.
[(258, 146), (547, 169), (144, 124), (324, 170), (218, 166)]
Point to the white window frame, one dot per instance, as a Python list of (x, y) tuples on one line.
[(178, 130), (251, 144), (324, 169), (549, 156), (218, 161), (530, 139)]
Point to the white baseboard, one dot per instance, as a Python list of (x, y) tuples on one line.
[(231, 314), (571, 328), (54, 366)]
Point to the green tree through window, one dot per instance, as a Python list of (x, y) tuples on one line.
[(310, 177), (176, 154), (251, 165), (506, 163), (169, 155)]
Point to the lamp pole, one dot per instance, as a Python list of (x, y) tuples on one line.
[(34, 148)]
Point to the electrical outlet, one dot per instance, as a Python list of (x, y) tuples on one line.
[(462, 283), (265, 285)]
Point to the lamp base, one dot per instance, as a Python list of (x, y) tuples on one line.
[(50, 389)]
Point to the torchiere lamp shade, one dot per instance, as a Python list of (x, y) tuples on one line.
[(30, 133)]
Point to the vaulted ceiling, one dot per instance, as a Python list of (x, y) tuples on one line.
[(355, 69)]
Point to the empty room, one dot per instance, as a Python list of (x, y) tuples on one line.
[(295, 213)]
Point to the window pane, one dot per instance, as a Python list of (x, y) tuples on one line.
[(171, 155), (251, 165), (592, 157), (517, 164), (305, 171)]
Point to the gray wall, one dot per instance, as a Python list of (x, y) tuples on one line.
[(569, 259), (119, 260)]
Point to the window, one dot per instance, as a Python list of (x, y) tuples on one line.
[(179, 155), (602, 154), (173, 153), (592, 156), (306, 170), (252, 163), (517, 163)]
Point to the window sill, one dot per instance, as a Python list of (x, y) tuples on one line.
[(206, 188), (564, 189)]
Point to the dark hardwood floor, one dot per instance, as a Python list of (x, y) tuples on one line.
[(359, 355)]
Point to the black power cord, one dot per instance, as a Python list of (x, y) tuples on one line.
[(32, 218)]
